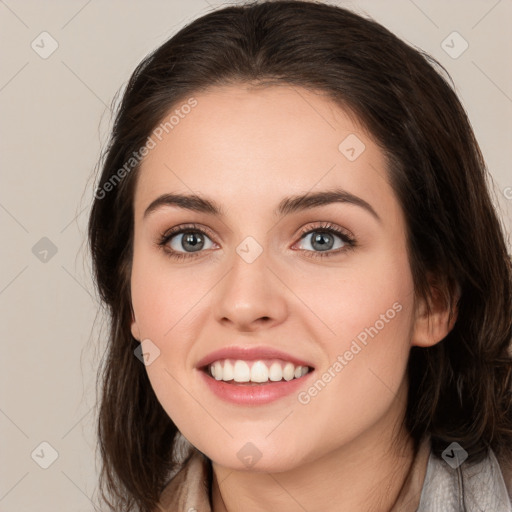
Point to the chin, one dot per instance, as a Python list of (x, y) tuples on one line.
[(254, 456)]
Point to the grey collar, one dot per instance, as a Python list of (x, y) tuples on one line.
[(469, 487)]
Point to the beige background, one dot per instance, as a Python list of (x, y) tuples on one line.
[(55, 117)]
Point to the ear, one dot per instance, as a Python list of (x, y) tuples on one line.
[(432, 324)]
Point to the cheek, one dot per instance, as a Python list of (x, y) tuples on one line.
[(163, 303), (367, 319), (373, 297), (169, 305), (161, 299), (371, 314)]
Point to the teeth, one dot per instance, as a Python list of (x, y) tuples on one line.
[(228, 372), (241, 372), (288, 371), (275, 372), (257, 371), (217, 370)]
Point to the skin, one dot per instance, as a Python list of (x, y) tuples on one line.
[(244, 146)]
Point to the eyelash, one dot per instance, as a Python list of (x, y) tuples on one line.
[(326, 227)]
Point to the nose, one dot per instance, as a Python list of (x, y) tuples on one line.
[(250, 296)]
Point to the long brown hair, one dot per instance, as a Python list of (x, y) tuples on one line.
[(460, 389)]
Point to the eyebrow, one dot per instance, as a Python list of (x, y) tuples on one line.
[(287, 206)]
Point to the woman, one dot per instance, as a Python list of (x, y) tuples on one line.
[(309, 289)]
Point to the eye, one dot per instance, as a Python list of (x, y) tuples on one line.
[(326, 240), (184, 241)]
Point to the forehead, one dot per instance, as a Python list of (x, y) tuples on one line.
[(246, 145)]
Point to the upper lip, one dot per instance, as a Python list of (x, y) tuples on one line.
[(250, 354)]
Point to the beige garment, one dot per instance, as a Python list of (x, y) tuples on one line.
[(188, 491)]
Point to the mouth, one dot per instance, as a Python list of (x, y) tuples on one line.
[(256, 372)]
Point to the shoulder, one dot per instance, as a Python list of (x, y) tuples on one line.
[(483, 485)]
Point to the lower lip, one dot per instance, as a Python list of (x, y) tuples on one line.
[(258, 394)]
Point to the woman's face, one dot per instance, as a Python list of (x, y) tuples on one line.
[(253, 276)]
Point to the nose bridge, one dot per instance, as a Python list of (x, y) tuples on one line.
[(250, 291)]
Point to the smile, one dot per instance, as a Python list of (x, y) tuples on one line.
[(257, 372), (254, 383)]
